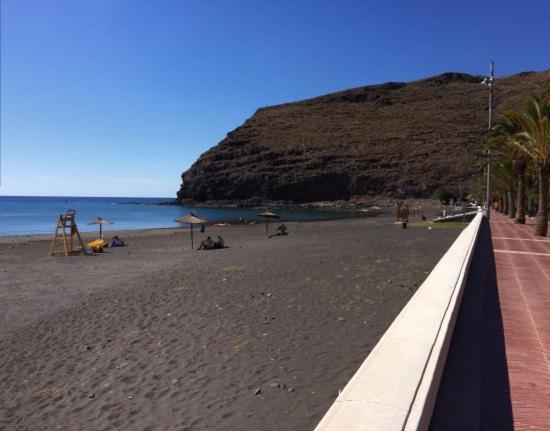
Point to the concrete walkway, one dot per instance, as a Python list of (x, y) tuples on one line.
[(497, 374)]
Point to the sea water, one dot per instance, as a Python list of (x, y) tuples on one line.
[(24, 215)]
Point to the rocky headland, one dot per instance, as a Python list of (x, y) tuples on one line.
[(367, 145)]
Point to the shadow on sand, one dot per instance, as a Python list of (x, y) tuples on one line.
[(474, 393)]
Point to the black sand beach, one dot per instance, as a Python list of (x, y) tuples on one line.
[(151, 336)]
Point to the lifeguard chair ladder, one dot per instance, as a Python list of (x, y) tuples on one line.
[(67, 231)]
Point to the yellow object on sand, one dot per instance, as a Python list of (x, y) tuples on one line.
[(98, 243)]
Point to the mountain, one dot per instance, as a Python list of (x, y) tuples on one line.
[(392, 140)]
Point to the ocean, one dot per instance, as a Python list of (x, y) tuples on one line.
[(25, 215)]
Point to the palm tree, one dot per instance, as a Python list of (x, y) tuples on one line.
[(503, 182), (534, 140), (502, 137)]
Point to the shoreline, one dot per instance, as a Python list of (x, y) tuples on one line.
[(128, 219), (144, 231), (153, 230)]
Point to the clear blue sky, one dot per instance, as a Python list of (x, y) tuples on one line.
[(118, 97)]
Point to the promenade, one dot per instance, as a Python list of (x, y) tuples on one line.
[(497, 375)]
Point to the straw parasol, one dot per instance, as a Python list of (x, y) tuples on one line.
[(100, 221), (267, 215), (191, 219)]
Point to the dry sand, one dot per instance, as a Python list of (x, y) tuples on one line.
[(152, 336)]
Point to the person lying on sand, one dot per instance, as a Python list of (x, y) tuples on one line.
[(117, 242), (207, 244)]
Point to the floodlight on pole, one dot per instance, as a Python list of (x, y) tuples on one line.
[(489, 82)]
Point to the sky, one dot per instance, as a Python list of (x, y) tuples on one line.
[(119, 97)]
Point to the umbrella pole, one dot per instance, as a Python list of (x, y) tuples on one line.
[(100, 232), (191, 236), (266, 228)]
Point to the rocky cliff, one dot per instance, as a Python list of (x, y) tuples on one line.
[(394, 140)]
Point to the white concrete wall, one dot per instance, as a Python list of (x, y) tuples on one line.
[(396, 386)]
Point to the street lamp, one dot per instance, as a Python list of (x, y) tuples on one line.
[(489, 82)]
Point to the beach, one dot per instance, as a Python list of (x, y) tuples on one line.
[(154, 335)]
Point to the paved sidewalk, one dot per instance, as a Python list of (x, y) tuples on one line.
[(497, 374), (522, 263)]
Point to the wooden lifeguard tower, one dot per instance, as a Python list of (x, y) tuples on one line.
[(67, 231)]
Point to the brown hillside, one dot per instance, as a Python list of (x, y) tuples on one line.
[(394, 140)]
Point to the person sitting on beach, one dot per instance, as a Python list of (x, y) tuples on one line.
[(220, 243), (117, 242), (207, 244), (282, 230)]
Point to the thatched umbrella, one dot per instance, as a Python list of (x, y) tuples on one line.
[(191, 219), (100, 221), (267, 215)]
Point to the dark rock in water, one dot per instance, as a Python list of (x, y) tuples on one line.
[(396, 140)]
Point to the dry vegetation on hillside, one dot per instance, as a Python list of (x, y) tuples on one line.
[(394, 139)]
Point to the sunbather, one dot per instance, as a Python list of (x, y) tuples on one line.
[(207, 244), (282, 230), (220, 243), (117, 242)]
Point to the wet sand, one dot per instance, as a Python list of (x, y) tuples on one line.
[(153, 336)]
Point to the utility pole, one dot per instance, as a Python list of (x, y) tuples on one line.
[(489, 82)]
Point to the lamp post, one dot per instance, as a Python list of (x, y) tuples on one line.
[(489, 82)]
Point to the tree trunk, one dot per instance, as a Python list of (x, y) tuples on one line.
[(501, 203), (531, 207), (511, 203), (541, 226), (520, 169), (505, 204)]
